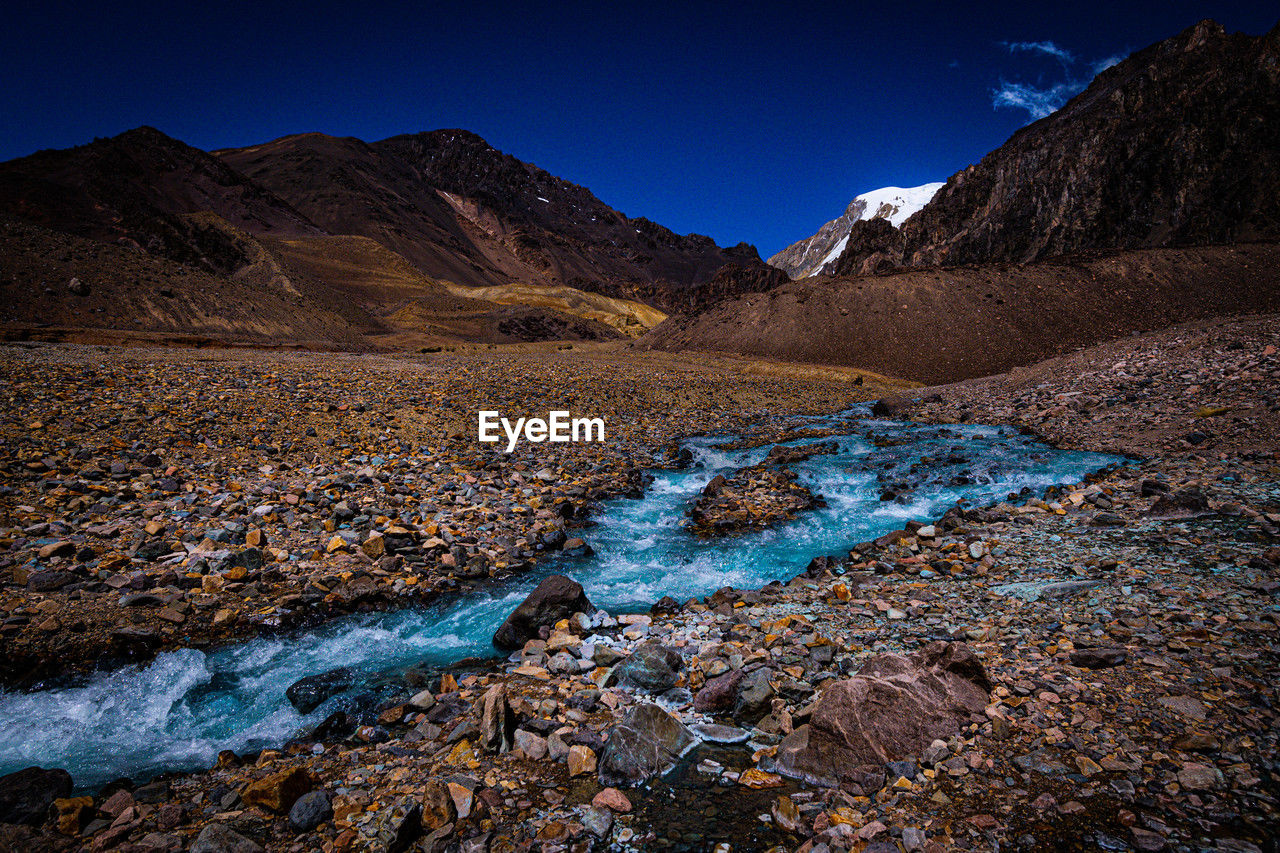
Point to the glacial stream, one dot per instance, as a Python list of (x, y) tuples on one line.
[(180, 709)]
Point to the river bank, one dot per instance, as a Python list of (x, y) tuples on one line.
[(159, 499), (1127, 626)]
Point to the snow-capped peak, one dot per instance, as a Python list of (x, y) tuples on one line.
[(895, 204)]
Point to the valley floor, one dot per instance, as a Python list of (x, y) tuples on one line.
[(154, 499)]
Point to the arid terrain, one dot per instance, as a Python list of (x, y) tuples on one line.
[(1132, 700), (968, 539)]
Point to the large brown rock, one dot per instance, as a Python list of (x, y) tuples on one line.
[(279, 791), (892, 709), (556, 598)]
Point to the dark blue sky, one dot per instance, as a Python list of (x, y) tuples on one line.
[(741, 121)]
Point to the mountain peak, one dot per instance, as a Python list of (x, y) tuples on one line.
[(892, 204)]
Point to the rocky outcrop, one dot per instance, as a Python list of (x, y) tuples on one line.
[(891, 710), (556, 598), (1176, 145), (731, 280)]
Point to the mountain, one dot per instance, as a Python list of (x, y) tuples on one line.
[(464, 212), (1151, 198), (141, 236), (943, 324), (1177, 145), (894, 204), (134, 190)]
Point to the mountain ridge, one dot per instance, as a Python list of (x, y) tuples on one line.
[(1176, 145)]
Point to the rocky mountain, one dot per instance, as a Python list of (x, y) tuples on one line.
[(1177, 145), (892, 204), (465, 212), (144, 237), (134, 190)]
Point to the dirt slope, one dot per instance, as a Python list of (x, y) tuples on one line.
[(940, 325)]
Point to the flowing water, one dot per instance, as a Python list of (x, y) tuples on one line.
[(182, 708)]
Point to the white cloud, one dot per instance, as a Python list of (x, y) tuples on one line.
[(1037, 101), (1046, 47), (1043, 97)]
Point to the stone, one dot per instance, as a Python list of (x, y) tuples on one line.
[(754, 777), (422, 701), (307, 694), (582, 760), (652, 667), (556, 598), (396, 827), (754, 697), (1188, 706), (1199, 777), (27, 795), (1146, 840), (715, 733), (1098, 658), (438, 808), (220, 838), (530, 745), (117, 803), (65, 548), (892, 709), (719, 693), (613, 800), (645, 743), (310, 810), (599, 822), (497, 720), (279, 791), (462, 798), (786, 815), (72, 813)]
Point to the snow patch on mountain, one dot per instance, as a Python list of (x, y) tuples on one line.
[(895, 204)]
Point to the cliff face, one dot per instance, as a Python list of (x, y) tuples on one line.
[(1177, 145)]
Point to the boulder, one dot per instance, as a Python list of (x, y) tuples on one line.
[(652, 666), (310, 810), (892, 709), (718, 693), (307, 694), (279, 791), (891, 407), (220, 838), (556, 598), (26, 796), (497, 720), (645, 743)]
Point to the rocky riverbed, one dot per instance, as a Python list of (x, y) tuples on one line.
[(1089, 668)]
